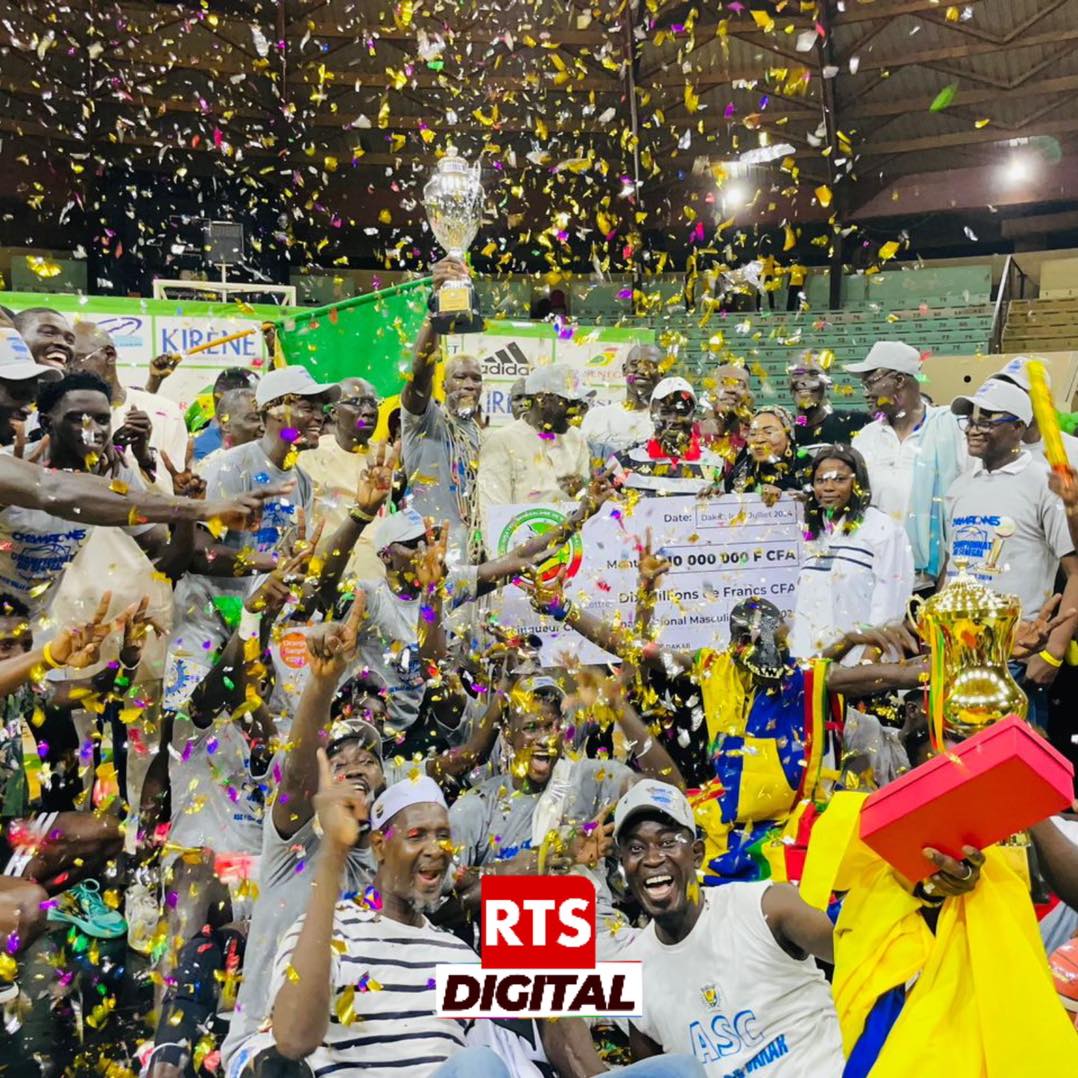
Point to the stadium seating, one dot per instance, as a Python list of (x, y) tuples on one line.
[(768, 341), (1041, 325)]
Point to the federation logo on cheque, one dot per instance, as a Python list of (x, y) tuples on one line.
[(532, 522)]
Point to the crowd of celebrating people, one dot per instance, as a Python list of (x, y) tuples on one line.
[(263, 726)]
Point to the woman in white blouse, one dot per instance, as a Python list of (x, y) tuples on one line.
[(857, 569)]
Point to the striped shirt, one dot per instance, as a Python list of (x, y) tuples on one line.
[(381, 1021), (648, 469)]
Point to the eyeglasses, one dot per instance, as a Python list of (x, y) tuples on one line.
[(358, 402), (968, 422), (877, 378)]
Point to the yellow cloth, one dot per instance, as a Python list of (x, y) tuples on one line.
[(727, 702), (336, 473), (983, 1004)]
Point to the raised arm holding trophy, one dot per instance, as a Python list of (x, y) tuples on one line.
[(453, 198)]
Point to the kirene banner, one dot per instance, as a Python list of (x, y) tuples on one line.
[(144, 328), (508, 351), (722, 550)]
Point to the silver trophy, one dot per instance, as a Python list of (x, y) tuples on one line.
[(453, 199)]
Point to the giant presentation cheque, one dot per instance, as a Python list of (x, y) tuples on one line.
[(721, 550)]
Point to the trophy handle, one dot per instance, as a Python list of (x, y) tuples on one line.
[(913, 608)]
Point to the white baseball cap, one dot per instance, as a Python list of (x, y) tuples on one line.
[(889, 356), (421, 790), (289, 381), (997, 396), (537, 683), (649, 795), (1016, 372), (404, 526), (354, 729), (559, 379), (669, 386), (16, 362)]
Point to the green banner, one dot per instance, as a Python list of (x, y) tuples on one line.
[(368, 336)]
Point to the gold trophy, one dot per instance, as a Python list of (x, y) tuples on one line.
[(970, 630)]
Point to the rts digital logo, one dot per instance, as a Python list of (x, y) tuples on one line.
[(538, 522), (539, 957)]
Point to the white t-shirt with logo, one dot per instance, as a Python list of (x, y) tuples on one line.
[(611, 428), (36, 547), (216, 799), (975, 506), (732, 997)]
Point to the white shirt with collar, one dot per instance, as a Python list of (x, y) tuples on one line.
[(890, 462), (978, 502)]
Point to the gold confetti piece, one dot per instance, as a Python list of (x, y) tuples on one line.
[(292, 974), (763, 20), (345, 1010), (43, 267), (823, 194)]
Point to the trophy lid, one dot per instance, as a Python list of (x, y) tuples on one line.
[(966, 595)]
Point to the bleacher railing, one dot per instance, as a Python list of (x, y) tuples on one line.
[(1013, 280)]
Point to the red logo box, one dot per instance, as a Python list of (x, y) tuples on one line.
[(538, 922)]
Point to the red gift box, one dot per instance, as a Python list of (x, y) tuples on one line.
[(996, 783)]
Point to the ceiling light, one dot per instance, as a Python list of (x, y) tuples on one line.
[(734, 196), (1018, 169)]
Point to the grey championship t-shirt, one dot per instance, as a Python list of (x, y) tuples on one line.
[(36, 547), (286, 871), (389, 641), (436, 491), (199, 626), (493, 822), (977, 504)]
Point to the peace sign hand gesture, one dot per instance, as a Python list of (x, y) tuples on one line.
[(136, 623), (185, 483), (271, 595), (594, 840), (376, 483), (430, 564), (80, 645), (652, 567)]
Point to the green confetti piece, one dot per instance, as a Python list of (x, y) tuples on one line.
[(944, 98), (229, 607)]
